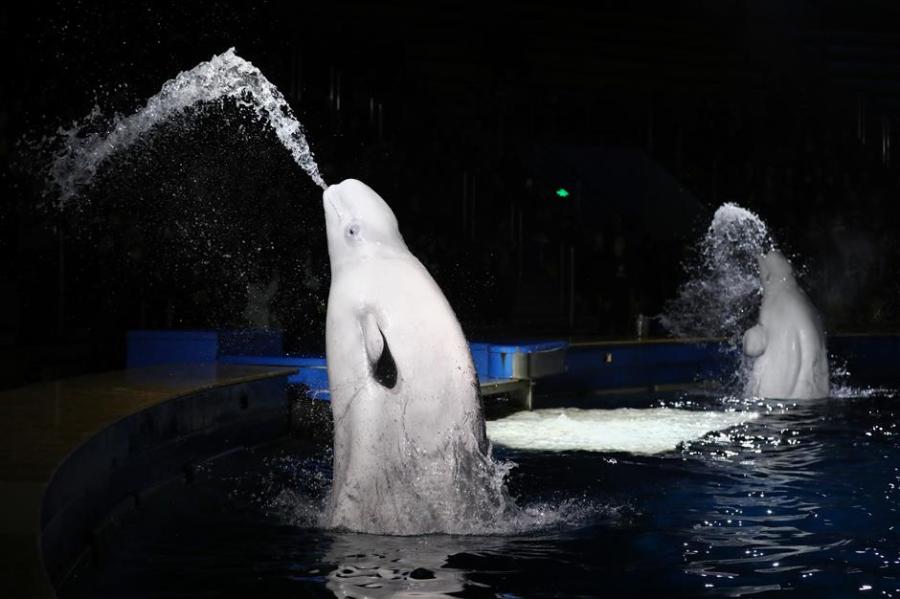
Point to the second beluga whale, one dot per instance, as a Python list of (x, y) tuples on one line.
[(788, 343), (410, 451)]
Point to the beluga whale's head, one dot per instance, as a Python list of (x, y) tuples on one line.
[(775, 270), (358, 223)]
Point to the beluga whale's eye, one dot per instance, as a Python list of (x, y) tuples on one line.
[(353, 230)]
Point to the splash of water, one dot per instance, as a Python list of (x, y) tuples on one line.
[(295, 489), (224, 76), (722, 292)]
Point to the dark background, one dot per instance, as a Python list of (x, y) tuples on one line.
[(467, 118)]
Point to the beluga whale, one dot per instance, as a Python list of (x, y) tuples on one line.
[(788, 343), (410, 451)]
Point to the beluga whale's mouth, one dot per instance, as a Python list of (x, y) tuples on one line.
[(328, 201)]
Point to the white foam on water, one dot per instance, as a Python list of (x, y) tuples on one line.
[(638, 431), (226, 75)]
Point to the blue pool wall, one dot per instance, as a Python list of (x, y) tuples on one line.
[(589, 366), (598, 366)]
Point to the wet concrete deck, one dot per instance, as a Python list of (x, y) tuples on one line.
[(42, 424)]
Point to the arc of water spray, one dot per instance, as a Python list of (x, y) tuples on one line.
[(225, 75)]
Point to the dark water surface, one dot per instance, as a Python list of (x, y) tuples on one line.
[(802, 502)]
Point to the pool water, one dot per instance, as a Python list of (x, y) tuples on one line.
[(801, 501)]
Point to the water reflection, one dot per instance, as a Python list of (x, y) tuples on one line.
[(759, 522), (383, 566)]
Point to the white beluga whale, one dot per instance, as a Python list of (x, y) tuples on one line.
[(788, 343), (410, 451)]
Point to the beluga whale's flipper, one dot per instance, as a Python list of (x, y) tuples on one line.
[(384, 369), (755, 341)]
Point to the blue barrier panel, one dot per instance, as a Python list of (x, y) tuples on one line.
[(501, 357), (587, 367), (480, 358), (148, 348), (313, 373), (311, 370)]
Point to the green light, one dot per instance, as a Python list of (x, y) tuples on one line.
[(562, 192)]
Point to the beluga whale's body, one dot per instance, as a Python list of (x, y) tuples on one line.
[(788, 344), (410, 451)]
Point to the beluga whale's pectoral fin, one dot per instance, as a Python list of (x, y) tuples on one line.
[(383, 367), (755, 341)]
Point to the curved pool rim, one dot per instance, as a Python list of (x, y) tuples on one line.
[(79, 452)]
